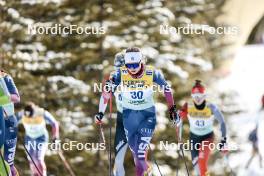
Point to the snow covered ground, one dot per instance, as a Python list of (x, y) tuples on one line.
[(247, 79)]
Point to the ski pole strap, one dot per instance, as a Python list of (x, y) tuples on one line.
[(102, 133), (180, 132), (32, 160)]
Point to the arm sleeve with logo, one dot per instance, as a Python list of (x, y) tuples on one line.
[(54, 124), (14, 95), (220, 118), (159, 79)]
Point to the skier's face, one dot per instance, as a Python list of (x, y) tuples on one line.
[(29, 111), (133, 68), (2, 73), (198, 98)]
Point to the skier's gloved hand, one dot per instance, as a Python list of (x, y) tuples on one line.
[(54, 139), (174, 116), (98, 118), (223, 145), (56, 143)]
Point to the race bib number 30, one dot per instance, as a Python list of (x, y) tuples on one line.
[(137, 95)]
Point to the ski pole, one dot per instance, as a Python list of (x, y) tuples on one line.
[(102, 133), (110, 136), (3, 160), (155, 161), (32, 160), (177, 167), (65, 163), (179, 135), (179, 155)]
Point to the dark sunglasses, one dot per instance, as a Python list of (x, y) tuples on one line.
[(133, 65)]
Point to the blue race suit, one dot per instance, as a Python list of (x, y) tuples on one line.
[(139, 116), (8, 137)]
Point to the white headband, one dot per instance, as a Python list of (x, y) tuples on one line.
[(133, 57)]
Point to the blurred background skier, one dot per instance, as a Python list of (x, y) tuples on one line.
[(8, 123), (139, 115), (120, 137), (254, 139), (34, 120), (201, 115)]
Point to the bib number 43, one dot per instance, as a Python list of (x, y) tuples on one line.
[(199, 123)]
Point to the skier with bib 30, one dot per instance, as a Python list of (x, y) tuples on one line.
[(8, 131), (135, 81), (201, 115)]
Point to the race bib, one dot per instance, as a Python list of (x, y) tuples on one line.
[(201, 121), (34, 126), (137, 94)]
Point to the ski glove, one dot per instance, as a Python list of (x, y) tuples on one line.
[(174, 116), (55, 139), (98, 118), (222, 143), (56, 143)]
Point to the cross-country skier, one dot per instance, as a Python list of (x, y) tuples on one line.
[(120, 137), (135, 81), (253, 138), (8, 123), (34, 120), (201, 115)]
